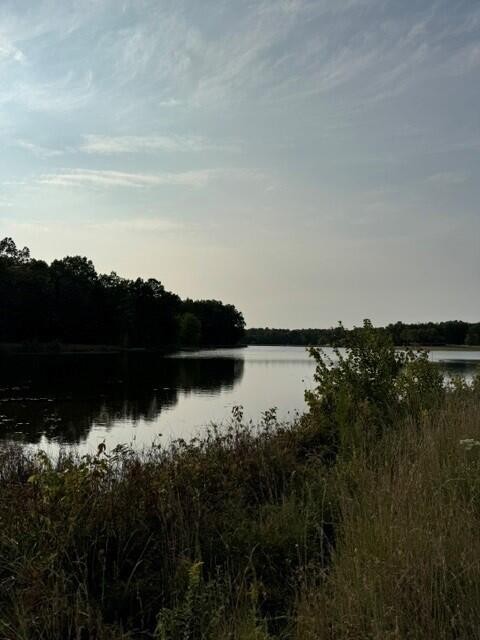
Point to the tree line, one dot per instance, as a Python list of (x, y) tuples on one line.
[(69, 302), (429, 334)]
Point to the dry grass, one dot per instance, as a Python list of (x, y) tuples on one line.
[(407, 556)]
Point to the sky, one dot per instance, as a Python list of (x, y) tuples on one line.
[(309, 161)]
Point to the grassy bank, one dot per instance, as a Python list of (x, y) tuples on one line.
[(360, 520), (406, 562)]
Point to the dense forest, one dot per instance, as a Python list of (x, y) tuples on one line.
[(69, 302), (454, 332)]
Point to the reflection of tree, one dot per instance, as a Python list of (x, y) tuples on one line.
[(462, 368), (62, 397)]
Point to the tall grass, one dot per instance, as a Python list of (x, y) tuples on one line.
[(203, 539), (359, 520), (407, 558)]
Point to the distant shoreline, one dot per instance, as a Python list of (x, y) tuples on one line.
[(51, 349), (447, 347)]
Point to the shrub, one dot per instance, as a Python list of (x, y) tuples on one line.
[(362, 393)]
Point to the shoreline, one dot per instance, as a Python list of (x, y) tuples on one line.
[(447, 347), (50, 349)]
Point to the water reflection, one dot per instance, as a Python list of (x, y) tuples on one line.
[(132, 398), (466, 369), (62, 397)]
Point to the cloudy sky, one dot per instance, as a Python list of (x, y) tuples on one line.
[(306, 160)]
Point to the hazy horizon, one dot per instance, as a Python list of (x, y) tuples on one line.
[(306, 160)]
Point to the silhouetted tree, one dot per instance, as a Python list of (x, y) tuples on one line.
[(69, 302), (221, 323), (190, 330), (473, 335), (453, 332), (9, 251)]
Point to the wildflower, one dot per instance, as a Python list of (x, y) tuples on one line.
[(469, 443)]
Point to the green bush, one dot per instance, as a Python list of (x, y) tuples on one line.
[(363, 391)]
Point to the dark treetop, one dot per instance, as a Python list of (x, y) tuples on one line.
[(69, 302), (454, 332)]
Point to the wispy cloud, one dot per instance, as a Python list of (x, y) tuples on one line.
[(30, 226), (170, 102), (63, 94), (465, 59), (107, 145), (107, 178), (273, 50), (86, 177), (9, 51), (140, 224), (296, 50), (448, 178), (162, 225), (67, 93), (163, 55), (38, 150)]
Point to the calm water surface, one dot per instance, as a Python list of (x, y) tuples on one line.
[(138, 398)]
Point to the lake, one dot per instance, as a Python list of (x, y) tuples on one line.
[(138, 398)]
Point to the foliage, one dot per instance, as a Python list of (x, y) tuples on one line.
[(187, 540), (190, 330), (424, 334), (365, 390), (296, 337), (220, 324), (69, 302), (473, 335)]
